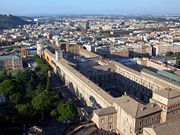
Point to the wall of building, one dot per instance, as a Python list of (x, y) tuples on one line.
[(147, 121), (162, 49), (11, 64), (79, 84), (125, 123), (108, 122)]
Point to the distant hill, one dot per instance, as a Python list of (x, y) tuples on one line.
[(10, 21)]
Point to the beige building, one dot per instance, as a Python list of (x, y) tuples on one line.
[(106, 120), (162, 49), (10, 62), (132, 115), (148, 93), (154, 64)]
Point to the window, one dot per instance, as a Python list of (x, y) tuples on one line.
[(152, 119), (102, 120), (147, 121), (130, 130), (140, 123), (110, 127), (110, 118)]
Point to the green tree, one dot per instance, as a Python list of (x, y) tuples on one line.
[(48, 84), (42, 66), (64, 111), (3, 76), (7, 87), (23, 108), (15, 98), (171, 54), (32, 84), (42, 101)]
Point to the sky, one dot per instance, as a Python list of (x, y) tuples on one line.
[(89, 7)]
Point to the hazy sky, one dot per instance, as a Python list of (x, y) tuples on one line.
[(73, 7)]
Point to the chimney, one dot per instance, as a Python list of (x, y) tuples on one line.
[(57, 43), (58, 54), (143, 108)]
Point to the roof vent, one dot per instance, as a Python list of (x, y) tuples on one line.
[(143, 108), (153, 105), (126, 101)]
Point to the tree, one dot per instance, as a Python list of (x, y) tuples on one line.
[(146, 55), (170, 54), (3, 76), (15, 98), (42, 66), (64, 111), (7, 87), (48, 84), (42, 101), (23, 108), (32, 84)]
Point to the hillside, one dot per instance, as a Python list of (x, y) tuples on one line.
[(9, 21)]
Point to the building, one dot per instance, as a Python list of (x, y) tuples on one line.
[(152, 99), (28, 52), (133, 116), (10, 62), (105, 119), (164, 48)]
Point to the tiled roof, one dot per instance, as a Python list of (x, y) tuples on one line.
[(9, 57), (105, 111), (136, 109)]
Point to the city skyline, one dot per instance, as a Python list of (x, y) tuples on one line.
[(93, 7)]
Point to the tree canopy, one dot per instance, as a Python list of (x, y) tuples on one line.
[(64, 111)]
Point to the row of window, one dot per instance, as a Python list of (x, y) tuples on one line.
[(174, 106), (110, 119), (155, 118)]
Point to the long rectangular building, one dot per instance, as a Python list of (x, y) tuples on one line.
[(94, 96)]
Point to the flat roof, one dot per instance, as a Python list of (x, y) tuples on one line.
[(164, 76), (8, 57)]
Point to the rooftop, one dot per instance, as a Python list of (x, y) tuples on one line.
[(9, 57), (105, 111), (135, 108), (164, 75)]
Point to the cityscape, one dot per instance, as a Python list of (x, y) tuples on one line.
[(90, 68)]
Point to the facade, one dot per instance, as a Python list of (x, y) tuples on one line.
[(105, 119), (140, 50), (162, 49), (39, 49), (10, 62), (28, 53), (152, 98), (154, 64), (132, 115)]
